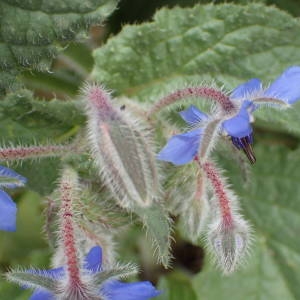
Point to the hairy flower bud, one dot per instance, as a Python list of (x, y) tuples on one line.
[(122, 150), (229, 242), (228, 234)]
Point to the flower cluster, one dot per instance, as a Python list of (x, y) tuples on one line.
[(123, 154), (247, 97), (228, 235), (79, 279), (111, 289)]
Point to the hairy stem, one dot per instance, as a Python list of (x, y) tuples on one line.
[(200, 92), (20, 152), (67, 229), (220, 191)]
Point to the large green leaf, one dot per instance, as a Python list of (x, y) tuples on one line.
[(261, 279), (272, 204), (284, 120), (227, 43), (30, 30)]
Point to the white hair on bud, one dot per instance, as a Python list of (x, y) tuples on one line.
[(122, 149)]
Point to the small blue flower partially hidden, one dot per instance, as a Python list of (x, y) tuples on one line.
[(111, 289), (183, 148), (8, 209)]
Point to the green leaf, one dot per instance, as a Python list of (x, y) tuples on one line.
[(261, 279), (157, 224), (177, 286), (271, 203), (30, 30), (41, 175), (27, 119), (227, 43), (71, 67), (283, 120)]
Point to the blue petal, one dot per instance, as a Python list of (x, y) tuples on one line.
[(246, 88), (239, 125), (40, 294), (116, 290), (8, 212), (54, 273), (287, 86), (193, 115), (10, 179), (181, 148), (93, 260)]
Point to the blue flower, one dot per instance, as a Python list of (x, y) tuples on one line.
[(183, 148), (8, 209), (111, 289)]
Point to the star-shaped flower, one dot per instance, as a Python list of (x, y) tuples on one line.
[(183, 148), (110, 289), (8, 209)]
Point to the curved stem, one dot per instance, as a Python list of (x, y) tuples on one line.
[(213, 94)]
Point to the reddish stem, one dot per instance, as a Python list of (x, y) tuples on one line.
[(202, 92), (32, 152), (68, 234), (218, 186)]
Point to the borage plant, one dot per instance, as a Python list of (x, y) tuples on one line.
[(108, 183)]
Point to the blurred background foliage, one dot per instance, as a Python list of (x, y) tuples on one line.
[(271, 199)]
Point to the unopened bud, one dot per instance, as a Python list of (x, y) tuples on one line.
[(229, 243), (122, 150)]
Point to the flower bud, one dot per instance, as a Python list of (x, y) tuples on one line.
[(229, 242), (122, 150)]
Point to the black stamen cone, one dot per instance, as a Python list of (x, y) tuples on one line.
[(244, 143), (248, 150)]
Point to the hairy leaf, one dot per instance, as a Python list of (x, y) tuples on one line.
[(157, 225), (25, 119), (227, 43), (30, 30)]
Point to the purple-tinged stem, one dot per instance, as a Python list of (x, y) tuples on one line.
[(68, 239), (202, 92), (220, 191), (20, 153)]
